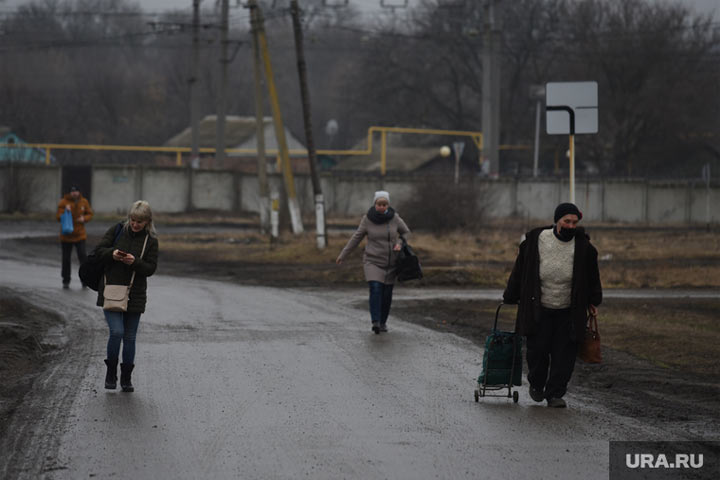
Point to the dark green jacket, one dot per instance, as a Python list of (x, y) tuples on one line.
[(119, 274)]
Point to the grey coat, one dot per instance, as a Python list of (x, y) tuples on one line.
[(379, 258)]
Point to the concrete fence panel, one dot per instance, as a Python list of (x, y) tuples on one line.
[(704, 204), (668, 203), (114, 188), (625, 201), (537, 200), (174, 190), (213, 190), (165, 188)]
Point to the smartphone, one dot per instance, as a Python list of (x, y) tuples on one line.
[(121, 253)]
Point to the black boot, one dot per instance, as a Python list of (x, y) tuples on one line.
[(111, 375), (125, 374)]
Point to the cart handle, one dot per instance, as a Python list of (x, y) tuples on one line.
[(497, 314)]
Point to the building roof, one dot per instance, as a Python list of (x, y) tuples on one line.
[(240, 132), (399, 159), (20, 155)]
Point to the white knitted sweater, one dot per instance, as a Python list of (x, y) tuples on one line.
[(556, 270)]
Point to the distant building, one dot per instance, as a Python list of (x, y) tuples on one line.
[(241, 132), (28, 155)]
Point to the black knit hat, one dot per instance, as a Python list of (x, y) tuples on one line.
[(565, 209)]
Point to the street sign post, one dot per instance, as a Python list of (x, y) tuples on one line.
[(571, 108)]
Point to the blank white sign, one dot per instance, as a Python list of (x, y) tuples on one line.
[(581, 98)]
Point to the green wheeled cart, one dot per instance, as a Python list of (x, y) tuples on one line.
[(502, 364)]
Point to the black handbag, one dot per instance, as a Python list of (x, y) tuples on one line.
[(93, 268), (408, 264)]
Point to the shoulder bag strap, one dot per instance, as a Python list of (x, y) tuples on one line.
[(132, 278)]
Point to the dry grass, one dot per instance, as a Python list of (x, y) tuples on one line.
[(678, 333), (629, 258), (682, 334)]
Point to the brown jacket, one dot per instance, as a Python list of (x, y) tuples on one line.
[(79, 208), (379, 258)]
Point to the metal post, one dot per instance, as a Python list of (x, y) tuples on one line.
[(706, 174), (275, 215), (572, 168), (491, 86), (195, 84), (458, 148), (307, 120), (222, 97), (383, 153), (536, 153), (263, 189)]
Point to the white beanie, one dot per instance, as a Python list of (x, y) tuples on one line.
[(381, 194)]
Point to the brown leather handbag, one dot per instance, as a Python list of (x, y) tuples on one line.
[(589, 350)]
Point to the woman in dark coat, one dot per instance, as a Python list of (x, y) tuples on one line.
[(122, 253), (384, 229), (556, 282)]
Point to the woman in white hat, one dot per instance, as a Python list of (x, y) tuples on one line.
[(384, 229)]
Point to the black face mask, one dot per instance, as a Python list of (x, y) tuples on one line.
[(566, 234)]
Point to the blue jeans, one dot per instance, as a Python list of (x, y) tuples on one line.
[(123, 329), (380, 300)]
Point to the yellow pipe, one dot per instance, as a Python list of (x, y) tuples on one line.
[(475, 136), (47, 156), (178, 159)]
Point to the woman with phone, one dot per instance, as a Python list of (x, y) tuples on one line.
[(130, 256)]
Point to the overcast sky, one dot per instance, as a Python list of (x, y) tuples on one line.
[(367, 6)]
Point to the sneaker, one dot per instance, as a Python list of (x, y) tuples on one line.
[(66, 286), (376, 327), (536, 395), (383, 327), (556, 403)]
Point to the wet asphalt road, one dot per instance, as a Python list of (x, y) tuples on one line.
[(260, 383)]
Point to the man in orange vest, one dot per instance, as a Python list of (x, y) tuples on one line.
[(81, 213)]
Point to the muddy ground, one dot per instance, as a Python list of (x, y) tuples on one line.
[(24, 349), (666, 392), (670, 377)]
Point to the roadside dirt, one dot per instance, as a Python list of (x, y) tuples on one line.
[(23, 349), (679, 388)]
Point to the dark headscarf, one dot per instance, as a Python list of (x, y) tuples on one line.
[(380, 218)]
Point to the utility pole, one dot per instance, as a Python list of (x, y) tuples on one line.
[(293, 205), (491, 85), (220, 121), (305, 95), (195, 84), (263, 190)]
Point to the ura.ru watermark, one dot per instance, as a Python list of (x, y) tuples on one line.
[(649, 460), (698, 460)]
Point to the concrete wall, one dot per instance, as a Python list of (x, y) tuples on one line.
[(37, 186), (173, 190)]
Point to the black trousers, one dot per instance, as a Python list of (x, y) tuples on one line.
[(67, 248), (551, 353)]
